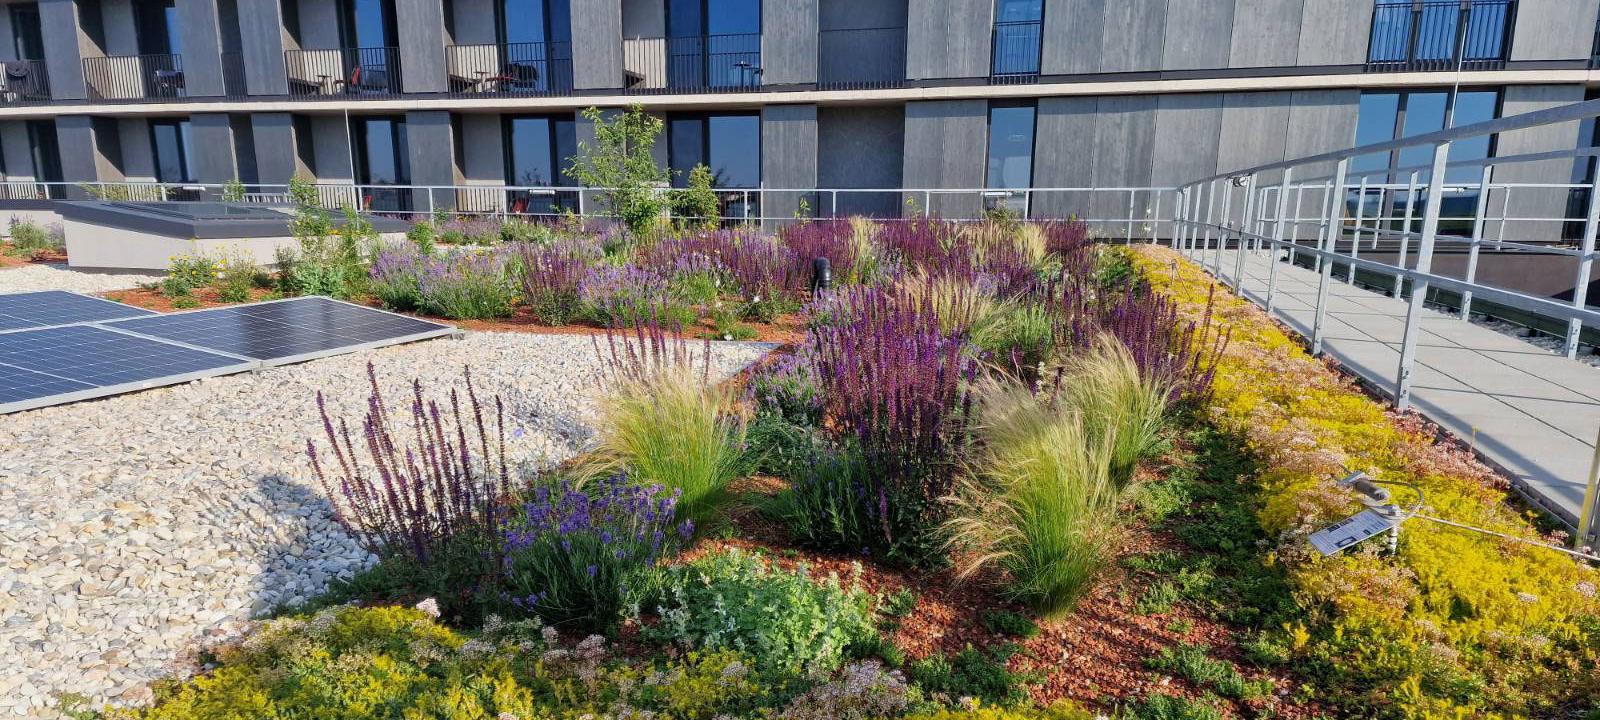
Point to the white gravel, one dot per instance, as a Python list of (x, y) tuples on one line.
[(57, 276), (136, 527), (1555, 345)]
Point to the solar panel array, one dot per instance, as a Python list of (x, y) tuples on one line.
[(58, 347)]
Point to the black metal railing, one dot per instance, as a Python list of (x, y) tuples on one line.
[(511, 69), (1440, 34), (24, 81), (344, 71), (133, 77), (861, 59), (233, 79), (1016, 48), (701, 63)]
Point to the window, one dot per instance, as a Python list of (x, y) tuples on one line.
[(1018, 29), (382, 159), (713, 43), (169, 145), (367, 24), (537, 151), (157, 27), (537, 40), (1386, 116), (728, 144), (1010, 149), (26, 35), (46, 152), (1439, 34), (534, 21)]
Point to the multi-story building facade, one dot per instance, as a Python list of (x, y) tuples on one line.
[(790, 94)]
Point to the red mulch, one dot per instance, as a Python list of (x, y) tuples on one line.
[(153, 299), (9, 259)]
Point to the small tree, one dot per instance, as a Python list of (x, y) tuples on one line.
[(696, 206), (619, 162), (233, 191)]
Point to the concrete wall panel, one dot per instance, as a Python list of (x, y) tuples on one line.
[(1532, 203), (200, 30), (421, 30), (211, 143), (482, 158), (1187, 130), (135, 158), (1063, 154), (1554, 30), (319, 24), (788, 157), (860, 147), (1266, 33), (788, 41), (64, 43), (1134, 36), (275, 147), (948, 38), (1124, 137), (432, 151), (1072, 36), (1198, 35), (596, 44), (117, 26), (1334, 32), (262, 48), (474, 22), (945, 148), (80, 161), (330, 147), (16, 151)]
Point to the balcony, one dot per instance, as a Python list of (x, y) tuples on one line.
[(344, 71), (1016, 51), (707, 63), (134, 77), (511, 69), (861, 59), (24, 81), (1440, 34)]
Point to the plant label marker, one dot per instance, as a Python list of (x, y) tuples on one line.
[(1334, 538)]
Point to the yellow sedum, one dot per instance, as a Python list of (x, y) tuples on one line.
[(1456, 624), (1063, 710)]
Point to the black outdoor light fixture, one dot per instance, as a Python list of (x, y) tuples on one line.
[(821, 275)]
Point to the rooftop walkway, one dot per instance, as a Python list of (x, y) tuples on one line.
[(1532, 412)]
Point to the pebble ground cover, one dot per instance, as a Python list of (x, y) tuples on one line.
[(1005, 473)]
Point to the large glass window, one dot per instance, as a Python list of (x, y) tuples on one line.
[(535, 21), (46, 152), (169, 143), (1010, 149), (537, 152), (1438, 34), (713, 43), (1018, 30), (26, 34), (537, 40), (1387, 116), (157, 27), (728, 144), (368, 24), (382, 159)]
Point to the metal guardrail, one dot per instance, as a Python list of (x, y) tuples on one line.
[(510, 68), (134, 77), (1440, 34), (24, 81), (1016, 48), (709, 63), (344, 71)]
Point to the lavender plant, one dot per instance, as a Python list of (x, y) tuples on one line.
[(409, 500), (394, 277), (466, 286), (551, 274), (623, 296), (570, 554)]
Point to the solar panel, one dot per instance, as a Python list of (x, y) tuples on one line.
[(285, 331), (54, 307), (48, 366)]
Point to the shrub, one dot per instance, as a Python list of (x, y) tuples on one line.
[(551, 274), (894, 387), (423, 236), (624, 296), (465, 286), (620, 160), (824, 507), (569, 554), (327, 261), (971, 674), (696, 206), (399, 507), (186, 273), (862, 691), (395, 277), (663, 423), (1041, 506), (517, 230), (236, 276), (790, 624), (32, 239)]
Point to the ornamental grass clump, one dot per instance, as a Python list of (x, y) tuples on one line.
[(662, 422), (412, 499), (1040, 505), (1118, 405), (569, 554), (894, 390), (466, 286)]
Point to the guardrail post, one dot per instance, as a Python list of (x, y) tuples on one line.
[(1155, 215), (1405, 234), (1332, 216), (1238, 252), (1224, 223), (1478, 215), (1211, 209), (1580, 288), (1355, 238), (1131, 193), (1181, 203), (1419, 286), (1299, 199), (1277, 237)]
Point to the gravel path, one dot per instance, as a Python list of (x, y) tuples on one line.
[(135, 527), (54, 276)]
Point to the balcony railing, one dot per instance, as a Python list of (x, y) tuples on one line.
[(1016, 49), (718, 63), (344, 71), (861, 59), (1440, 34), (134, 77), (511, 69), (24, 81)]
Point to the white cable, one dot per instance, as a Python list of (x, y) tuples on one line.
[(1525, 541)]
